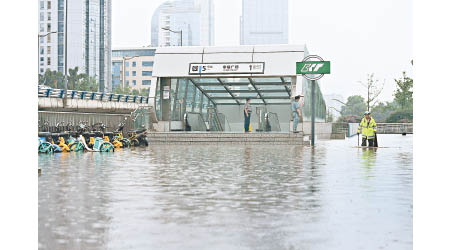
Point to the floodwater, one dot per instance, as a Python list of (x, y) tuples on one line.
[(230, 197)]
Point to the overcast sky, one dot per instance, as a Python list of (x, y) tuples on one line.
[(358, 36)]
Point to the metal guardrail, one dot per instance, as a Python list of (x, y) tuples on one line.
[(382, 128), (394, 128), (87, 95)]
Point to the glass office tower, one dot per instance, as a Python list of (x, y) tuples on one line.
[(264, 22), (194, 17)]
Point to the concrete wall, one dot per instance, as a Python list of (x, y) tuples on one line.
[(322, 130)]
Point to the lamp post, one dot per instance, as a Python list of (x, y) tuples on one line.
[(176, 31), (123, 69), (65, 52), (39, 37)]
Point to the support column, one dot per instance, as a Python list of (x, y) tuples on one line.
[(313, 111), (165, 99)]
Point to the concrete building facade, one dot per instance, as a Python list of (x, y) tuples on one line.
[(88, 40), (138, 65)]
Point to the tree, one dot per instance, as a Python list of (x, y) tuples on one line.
[(400, 116), (124, 91), (52, 79), (73, 79), (382, 111), (404, 92), (87, 84), (330, 116), (373, 90), (355, 106)]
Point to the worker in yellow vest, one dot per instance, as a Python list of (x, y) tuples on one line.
[(369, 129)]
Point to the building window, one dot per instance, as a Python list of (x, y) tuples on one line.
[(41, 16), (146, 82), (49, 5), (49, 16), (134, 64), (42, 39), (127, 73), (49, 38), (42, 51), (42, 70), (128, 83), (146, 73), (49, 27), (134, 73), (49, 50), (41, 27), (127, 64), (147, 63), (134, 82), (48, 61), (41, 5)]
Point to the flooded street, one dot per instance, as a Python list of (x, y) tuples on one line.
[(334, 196)]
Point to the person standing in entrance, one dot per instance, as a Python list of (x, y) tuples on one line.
[(247, 113), (296, 112), (369, 129)]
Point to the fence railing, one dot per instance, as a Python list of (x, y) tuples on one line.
[(350, 129), (394, 128), (87, 95)]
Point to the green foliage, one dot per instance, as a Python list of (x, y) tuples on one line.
[(382, 111), (87, 84), (128, 91), (355, 106), (52, 79), (330, 117), (350, 119), (401, 116), (75, 80), (398, 111), (404, 92)]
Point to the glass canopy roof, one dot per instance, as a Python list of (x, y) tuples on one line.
[(233, 91)]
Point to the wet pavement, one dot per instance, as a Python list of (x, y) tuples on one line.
[(333, 196)]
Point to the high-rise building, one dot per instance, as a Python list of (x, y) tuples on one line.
[(264, 22), (195, 18), (88, 40)]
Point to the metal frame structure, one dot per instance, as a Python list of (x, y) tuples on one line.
[(268, 89)]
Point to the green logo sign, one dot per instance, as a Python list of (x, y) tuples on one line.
[(313, 67)]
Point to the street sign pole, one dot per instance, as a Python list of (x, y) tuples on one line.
[(313, 111), (313, 68)]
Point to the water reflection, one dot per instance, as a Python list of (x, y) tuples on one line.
[(227, 197)]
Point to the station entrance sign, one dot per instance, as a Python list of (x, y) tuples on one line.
[(313, 68), (226, 68)]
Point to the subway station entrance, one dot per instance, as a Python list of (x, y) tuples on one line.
[(205, 88)]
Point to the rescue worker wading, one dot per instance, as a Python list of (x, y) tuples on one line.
[(369, 129)]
